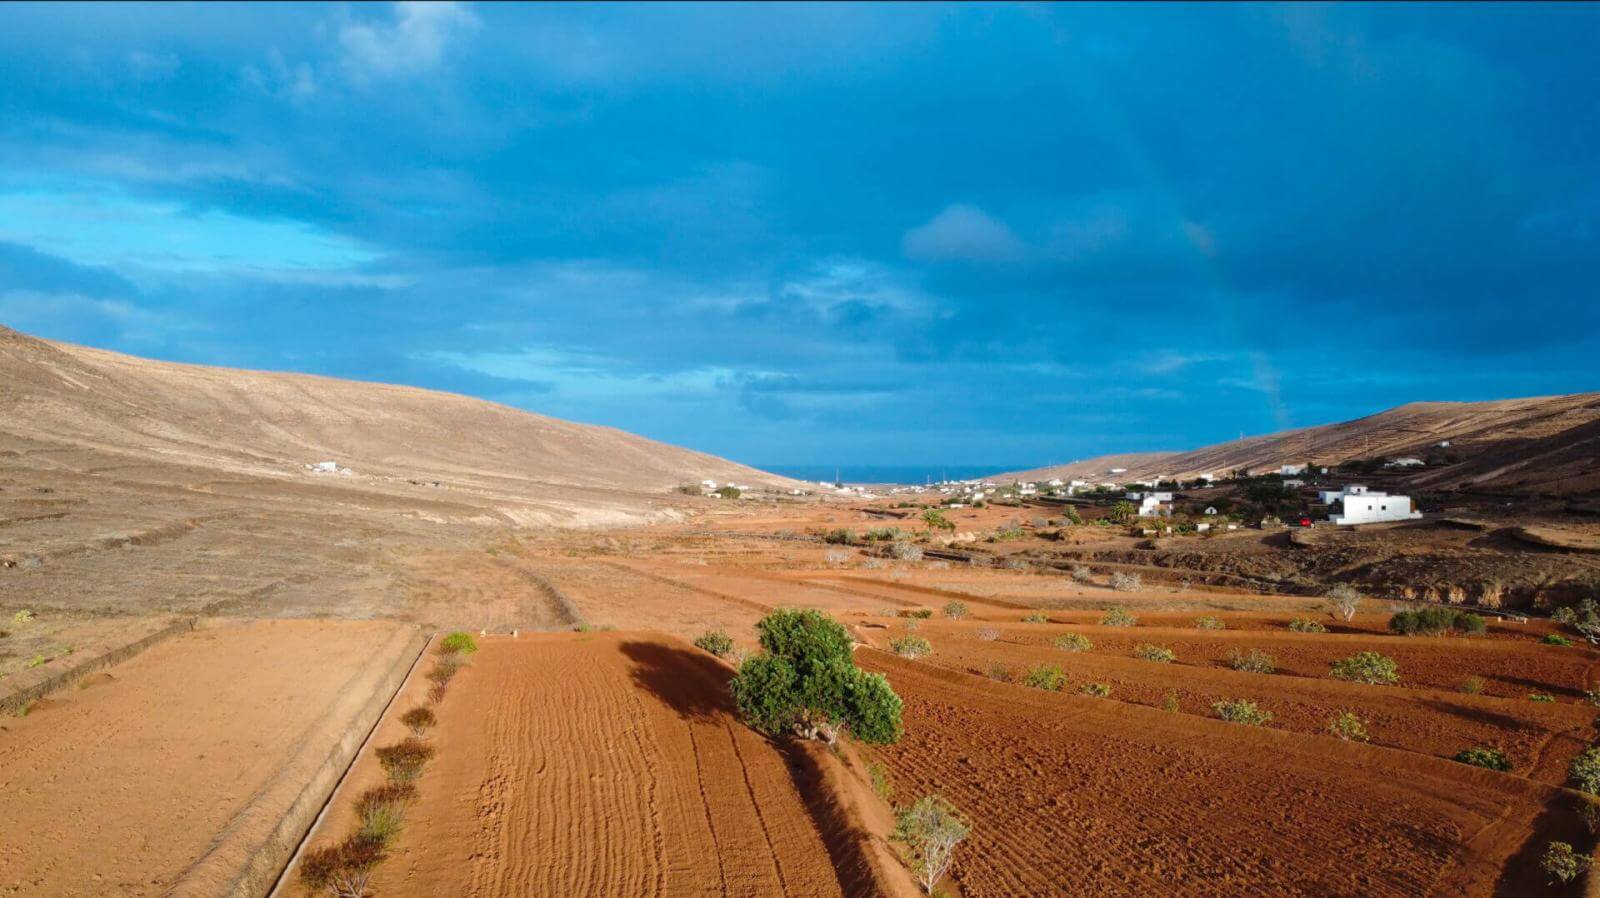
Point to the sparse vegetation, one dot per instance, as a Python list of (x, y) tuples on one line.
[(839, 536), (955, 610), (910, 646), (1307, 625), (1540, 697), (1118, 617), (988, 634), (1098, 690), (1048, 677), (715, 642), (882, 782), (1563, 863), (1584, 774), (1082, 574), (836, 556), (905, 550), (1253, 661), (1169, 702), (1555, 639), (806, 683), (1366, 667), (1433, 621), (1242, 711), (1472, 685), (1157, 653), (1349, 727), (343, 870), (1072, 642), (1125, 582), (917, 613), (382, 811), (458, 643), (22, 617), (1037, 617), (35, 661), (1210, 623), (419, 720), (1487, 758), (404, 761), (1002, 672), (1343, 601), (930, 829)]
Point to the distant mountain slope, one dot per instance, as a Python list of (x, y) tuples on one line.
[(272, 425), (1095, 469), (1544, 444)]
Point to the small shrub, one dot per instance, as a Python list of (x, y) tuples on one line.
[(1002, 672), (918, 613), (35, 661), (882, 783), (1098, 690), (1118, 617), (1169, 702), (910, 646), (1555, 639), (838, 536), (1343, 600), (404, 760), (836, 556), (1073, 642), (1589, 813), (1349, 727), (1472, 685), (1306, 625), (1037, 617), (931, 829), (1366, 667), (22, 616), (343, 870), (955, 610), (1242, 711), (715, 642), (1487, 758), (1210, 623), (1126, 582), (1584, 774), (436, 692), (884, 534), (1157, 653), (458, 643), (1540, 697), (1563, 863), (419, 720), (905, 550), (1048, 677), (382, 811), (988, 634), (1253, 661), (1472, 624), (444, 670), (1082, 574)]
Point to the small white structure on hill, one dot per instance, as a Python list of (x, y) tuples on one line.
[(1152, 505), (326, 467), (1404, 463), (1364, 506), (1291, 470)]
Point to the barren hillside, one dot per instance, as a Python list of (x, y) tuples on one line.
[(1544, 444)]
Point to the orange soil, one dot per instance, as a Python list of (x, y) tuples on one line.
[(1538, 738), (595, 764), (1077, 795), (116, 788)]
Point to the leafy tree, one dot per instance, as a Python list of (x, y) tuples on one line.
[(935, 519), (806, 683), (1122, 512)]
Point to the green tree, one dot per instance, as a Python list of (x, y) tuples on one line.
[(936, 520), (1122, 512), (806, 683)]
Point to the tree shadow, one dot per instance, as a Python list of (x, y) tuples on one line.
[(1477, 715), (688, 681), (1522, 874)]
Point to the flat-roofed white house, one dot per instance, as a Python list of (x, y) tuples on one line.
[(1291, 470), (1360, 505)]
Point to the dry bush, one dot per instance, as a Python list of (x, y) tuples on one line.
[(931, 829), (382, 811), (836, 556), (419, 720), (1253, 661), (1306, 625), (1157, 653), (1037, 617), (1073, 642), (1126, 582), (910, 647), (436, 692), (1082, 574), (343, 870), (988, 634), (1349, 727), (955, 610), (1210, 623), (717, 642), (1169, 702), (1472, 685), (1118, 617), (873, 564), (906, 550), (1098, 690), (1343, 600), (404, 760), (1014, 564), (1002, 672)]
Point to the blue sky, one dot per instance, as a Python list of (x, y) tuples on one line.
[(824, 234)]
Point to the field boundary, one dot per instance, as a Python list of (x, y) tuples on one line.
[(47, 681), (217, 873)]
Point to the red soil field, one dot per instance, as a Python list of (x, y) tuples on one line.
[(595, 764), (119, 787), (1077, 795)]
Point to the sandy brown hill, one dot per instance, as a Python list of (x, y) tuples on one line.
[(1542, 444), (272, 425)]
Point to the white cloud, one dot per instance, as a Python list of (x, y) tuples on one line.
[(962, 233), (832, 286), (415, 41)]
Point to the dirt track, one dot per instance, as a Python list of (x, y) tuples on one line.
[(598, 764), (1084, 796), (119, 787)]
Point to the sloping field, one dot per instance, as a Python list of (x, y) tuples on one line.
[(597, 764), (1075, 795), (180, 763)]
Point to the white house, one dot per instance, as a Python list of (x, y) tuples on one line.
[(1291, 470), (1119, 471), (1364, 506), (1152, 504), (708, 485), (326, 467), (1057, 482)]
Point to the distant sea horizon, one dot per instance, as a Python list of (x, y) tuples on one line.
[(906, 474)]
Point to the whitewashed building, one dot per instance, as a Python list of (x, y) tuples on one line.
[(1359, 505)]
